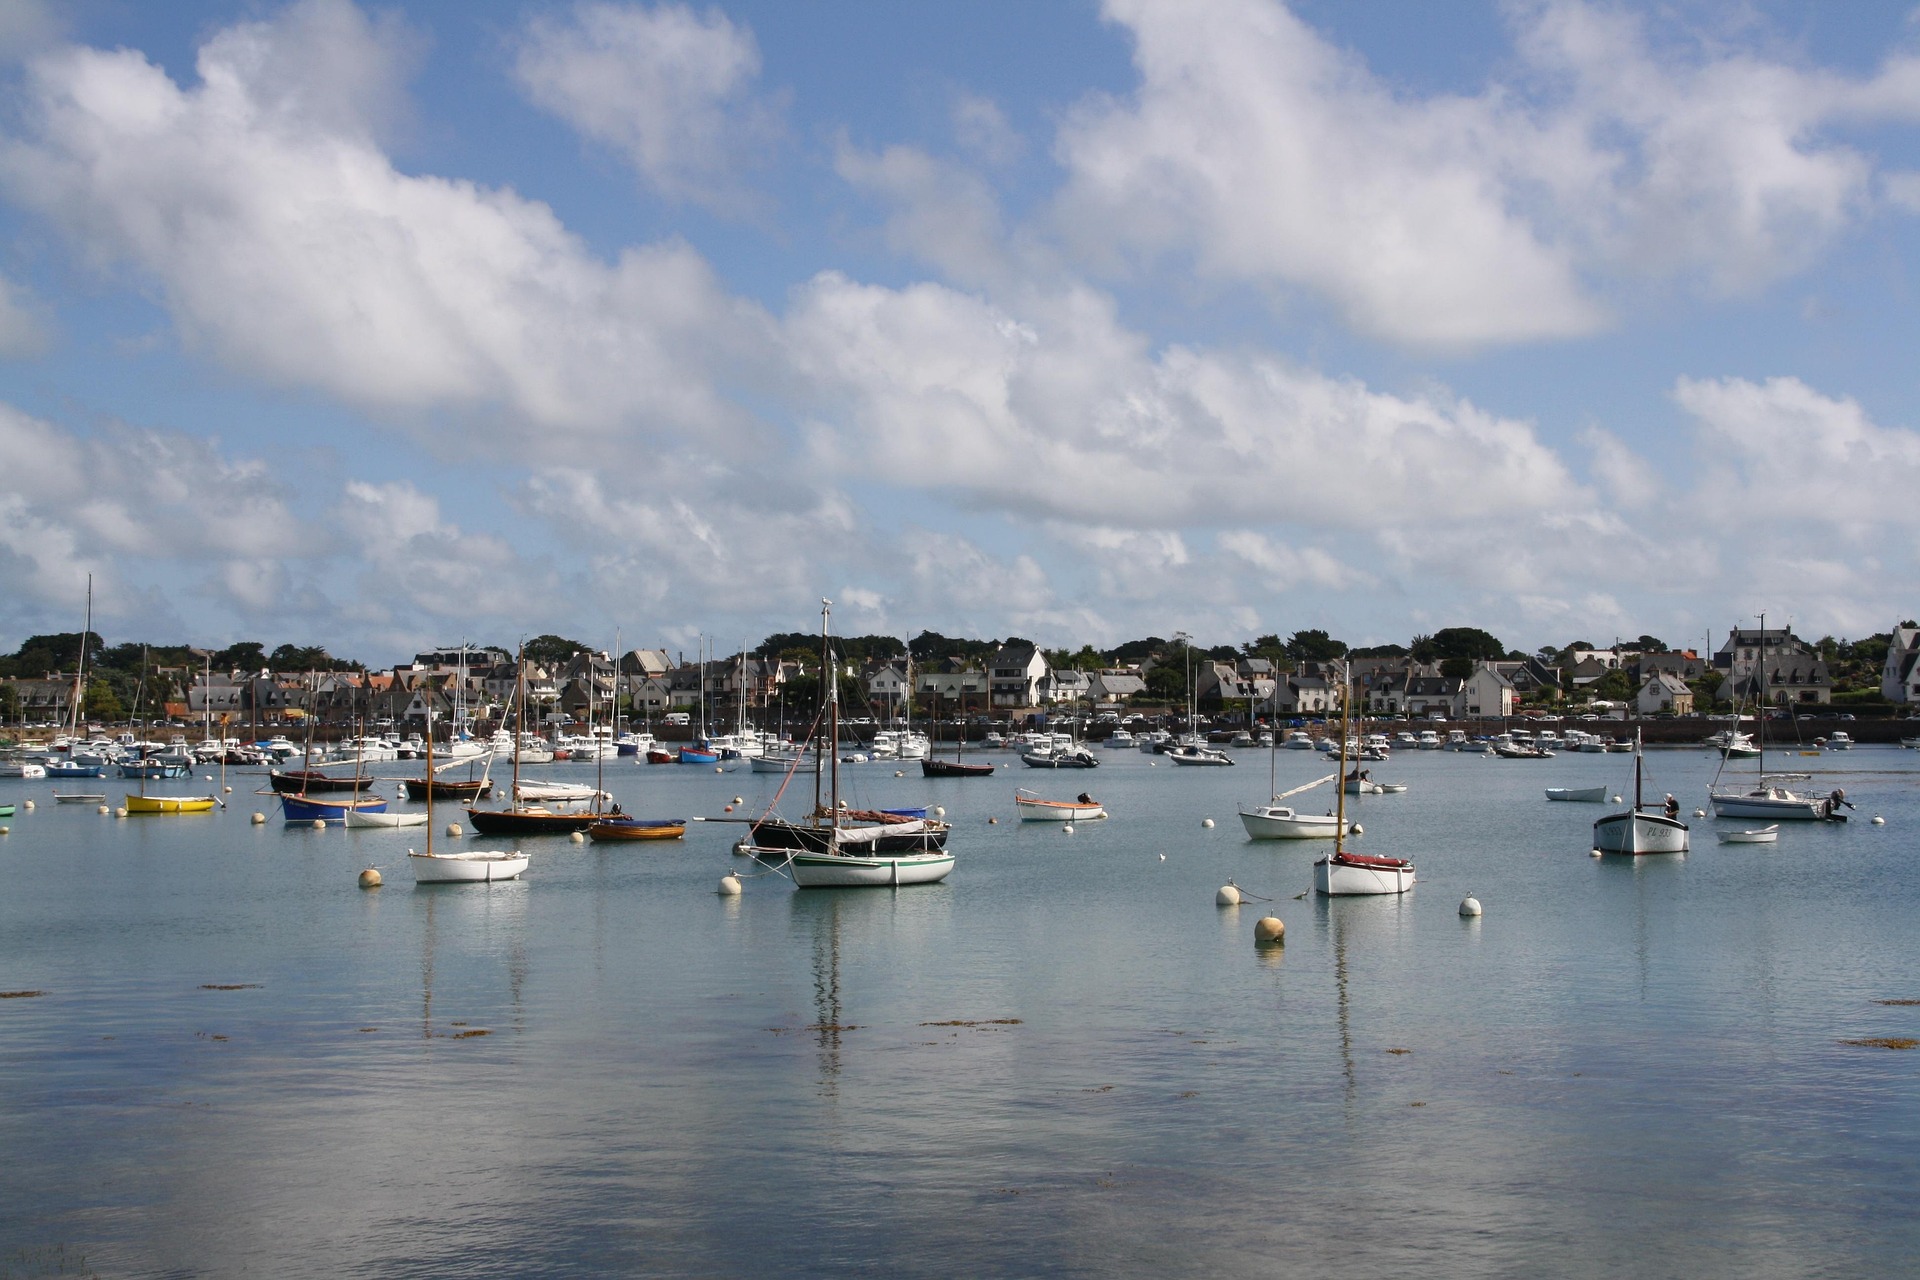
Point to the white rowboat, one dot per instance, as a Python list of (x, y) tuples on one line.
[(1578, 795), (1764, 835)]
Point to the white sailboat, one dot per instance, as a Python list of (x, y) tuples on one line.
[(1276, 821), (1345, 874), (1770, 797), (463, 866), (1637, 831)]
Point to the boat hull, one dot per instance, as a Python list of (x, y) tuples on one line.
[(867, 871), (470, 866), (369, 819), (170, 804), (1639, 833), (1065, 760), (1057, 810), (787, 836), (1578, 795), (953, 769), (531, 822), (1276, 822), (1772, 805), (309, 782), (638, 829), (1351, 878), (473, 789), (307, 809)]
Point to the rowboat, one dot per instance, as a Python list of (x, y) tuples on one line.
[(1764, 835), (367, 818), (311, 809), (80, 797), (170, 804), (620, 828), (1033, 809), (1578, 795)]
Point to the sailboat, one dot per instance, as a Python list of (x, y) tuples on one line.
[(837, 847), (1344, 874), (1276, 821), (463, 866), (1768, 797), (523, 818), (932, 766), (1636, 830)]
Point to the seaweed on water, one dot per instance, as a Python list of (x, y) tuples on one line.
[(20, 995), (230, 986), (46, 1261), (975, 1022), (1397, 1052), (1897, 1002), (365, 1029), (832, 1026), (1105, 1088), (468, 1035), (1885, 1042)]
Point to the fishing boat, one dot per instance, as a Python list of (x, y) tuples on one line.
[(74, 769), (837, 847), (1637, 830), (1578, 795), (613, 827), (1034, 809), (1344, 873), (699, 753), (1764, 835), (462, 866)]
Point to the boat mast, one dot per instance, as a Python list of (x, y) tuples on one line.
[(429, 777), (1340, 791), (833, 707), (80, 672), (519, 724), (1760, 707)]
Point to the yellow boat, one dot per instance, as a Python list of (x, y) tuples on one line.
[(170, 804)]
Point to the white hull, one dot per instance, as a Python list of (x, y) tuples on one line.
[(1056, 810), (1765, 835), (1774, 804), (470, 866), (774, 763), (846, 871), (1637, 833), (1277, 822), (1344, 879), (1578, 795), (355, 818)]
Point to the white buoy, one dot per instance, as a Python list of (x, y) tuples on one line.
[(739, 800), (121, 812), (1228, 894), (899, 773), (228, 790), (718, 769), (370, 878), (1593, 853), (29, 806), (5, 831), (1699, 813), (1616, 799), (103, 809), (1163, 857), (1269, 931), (209, 777), (1469, 906), (453, 828), (319, 824), (939, 811), (578, 837), (991, 821), (1066, 829), (1359, 830), (729, 886), (1878, 821), (1207, 822)]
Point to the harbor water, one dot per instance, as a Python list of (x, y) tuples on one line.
[(222, 1057)]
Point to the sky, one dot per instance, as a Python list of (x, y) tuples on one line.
[(387, 326)]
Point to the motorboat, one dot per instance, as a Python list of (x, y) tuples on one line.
[(1119, 740), (1297, 740), (1839, 740), (1034, 809), (1053, 757), (1196, 754), (1771, 799)]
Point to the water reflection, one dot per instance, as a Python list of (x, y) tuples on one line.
[(1362, 924), (482, 922)]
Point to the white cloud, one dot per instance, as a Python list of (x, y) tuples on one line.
[(670, 89), (1259, 151), (22, 332), (285, 243), (983, 131)]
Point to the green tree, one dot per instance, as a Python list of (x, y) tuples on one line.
[(101, 703), (1168, 683), (1650, 644), (552, 649), (1460, 642), (1314, 646), (9, 702), (247, 655), (1456, 668)]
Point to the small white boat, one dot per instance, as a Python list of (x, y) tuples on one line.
[(1763, 835), (468, 866), (880, 870), (1297, 740), (361, 818), (1578, 795), (1119, 740), (1841, 740), (1278, 822), (1033, 809), (1196, 754), (1342, 874)]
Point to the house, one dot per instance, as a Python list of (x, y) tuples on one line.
[(1486, 693), (1309, 695), (1216, 683), (1746, 647), (1064, 684), (1610, 659), (1529, 676), (886, 683), (942, 685), (1431, 694), (1900, 677), (1115, 686), (1685, 664), (1587, 672), (1664, 692), (1014, 673), (1786, 677)]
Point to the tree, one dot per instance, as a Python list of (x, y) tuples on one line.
[(1650, 644), (247, 655), (101, 703), (1456, 668), (1135, 651), (9, 702), (552, 649), (1268, 647), (1314, 646), (1168, 682), (1462, 642), (1379, 651)]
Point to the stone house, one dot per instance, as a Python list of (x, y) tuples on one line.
[(1664, 692)]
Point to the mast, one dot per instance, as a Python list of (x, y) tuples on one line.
[(1638, 759), (833, 708), (1340, 792), (429, 777), (80, 672), (519, 724), (1760, 708)]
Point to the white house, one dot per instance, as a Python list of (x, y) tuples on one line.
[(1486, 693), (1664, 691), (1900, 678), (1014, 674), (1064, 684)]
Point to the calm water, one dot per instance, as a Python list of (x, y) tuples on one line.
[(1065, 1060)]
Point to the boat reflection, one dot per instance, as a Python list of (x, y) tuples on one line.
[(484, 923), (1362, 927)]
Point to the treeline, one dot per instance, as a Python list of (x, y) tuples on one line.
[(137, 678)]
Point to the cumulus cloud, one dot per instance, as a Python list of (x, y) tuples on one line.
[(668, 88), (1261, 153), (22, 332), (285, 243)]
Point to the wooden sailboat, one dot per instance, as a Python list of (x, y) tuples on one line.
[(933, 767), (1637, 831), (841, 848), (1342, 873), (463, 866), (523, 818)]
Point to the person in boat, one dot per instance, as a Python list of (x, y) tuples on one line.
[(1673, 806), (1360, 775)]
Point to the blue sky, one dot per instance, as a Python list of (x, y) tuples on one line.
[(380, 326)]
